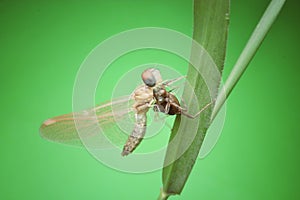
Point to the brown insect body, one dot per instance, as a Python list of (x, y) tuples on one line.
[(166, 102), (152, 94), (143, 97)]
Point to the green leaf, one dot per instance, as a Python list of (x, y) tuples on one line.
[(211, 19), (211, 31)]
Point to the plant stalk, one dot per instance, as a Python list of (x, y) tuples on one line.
[(248, 52)]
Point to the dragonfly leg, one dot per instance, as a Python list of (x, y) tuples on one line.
[(174, 88), (177, 106), (145, 106), (167, 108), (168, 82), (184, 106), (184, 112), (158, 108)]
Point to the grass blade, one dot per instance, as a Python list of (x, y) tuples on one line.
[(249, 51), (211, 19), (176, 174)]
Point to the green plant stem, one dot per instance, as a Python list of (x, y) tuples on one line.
[(248, 52), (211, 18), (163, 195)]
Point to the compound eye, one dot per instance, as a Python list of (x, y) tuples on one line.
[(148, 78)]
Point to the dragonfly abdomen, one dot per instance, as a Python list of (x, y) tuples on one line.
[(137, 134)]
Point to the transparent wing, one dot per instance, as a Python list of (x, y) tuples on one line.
[(97, 127), (114, 118)]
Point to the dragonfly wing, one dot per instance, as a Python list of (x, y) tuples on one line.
[(61, 129), (108, 122)]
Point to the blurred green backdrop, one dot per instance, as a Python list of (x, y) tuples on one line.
[(42, 47)]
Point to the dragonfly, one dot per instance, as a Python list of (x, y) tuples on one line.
[(152, 94)]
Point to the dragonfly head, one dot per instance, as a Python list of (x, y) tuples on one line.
[(151, 76)]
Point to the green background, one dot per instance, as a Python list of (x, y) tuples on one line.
[(42, 47)]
